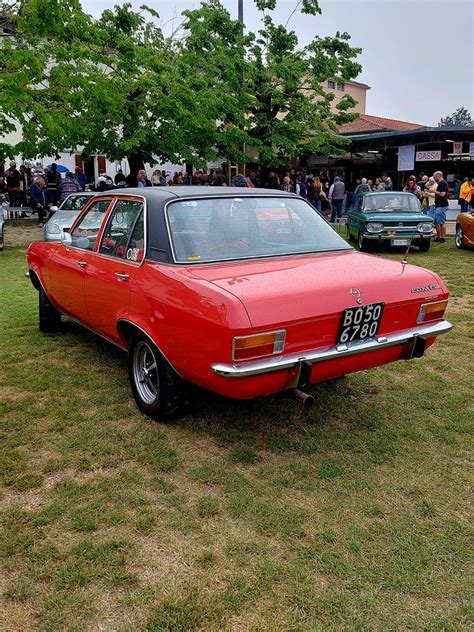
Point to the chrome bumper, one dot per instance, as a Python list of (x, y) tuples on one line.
[(410, 337)]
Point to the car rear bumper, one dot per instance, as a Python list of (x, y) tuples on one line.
[(414, 340)]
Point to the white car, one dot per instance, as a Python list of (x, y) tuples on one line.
[(64, 217)]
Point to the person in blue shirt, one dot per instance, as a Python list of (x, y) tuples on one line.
[(80, 178)]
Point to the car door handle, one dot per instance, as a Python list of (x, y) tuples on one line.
[(82, 264), (121, 276)]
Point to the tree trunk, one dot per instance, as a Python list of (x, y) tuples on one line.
[(135, 163)]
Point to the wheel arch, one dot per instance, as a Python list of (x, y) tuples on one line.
[(127, 329), (35, 280)]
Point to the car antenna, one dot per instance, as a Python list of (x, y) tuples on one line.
[(405, 256)]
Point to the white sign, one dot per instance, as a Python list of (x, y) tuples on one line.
[(457, 148), (406, 158), (471, 149), (426, 156)]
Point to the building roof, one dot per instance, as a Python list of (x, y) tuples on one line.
[(367, 124)]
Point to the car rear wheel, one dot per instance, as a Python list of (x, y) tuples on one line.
[(49, 317), (363, 243), (156, 387), (425, 245), (459, 238)]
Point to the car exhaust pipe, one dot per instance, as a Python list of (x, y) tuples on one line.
[(303, 398)]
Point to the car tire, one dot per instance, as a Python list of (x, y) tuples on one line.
[(157, 388), (424, 245), (349, 236), (363, 243), (459, 237), (49, 317)]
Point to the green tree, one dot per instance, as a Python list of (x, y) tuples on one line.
[(119, 87), (290, 112), (460, 118)]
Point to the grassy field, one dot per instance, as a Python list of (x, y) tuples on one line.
[(242, 516)]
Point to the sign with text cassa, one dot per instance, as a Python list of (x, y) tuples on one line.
[(457, 148), (406, 158), (426, 156)]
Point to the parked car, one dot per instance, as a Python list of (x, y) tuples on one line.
[(62, 219), (465, 230), (389, 217), (199, 286)]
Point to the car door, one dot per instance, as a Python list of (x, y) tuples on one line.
[(115, 263), (69, 263)]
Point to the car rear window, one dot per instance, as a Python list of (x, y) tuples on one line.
[(230, 228)]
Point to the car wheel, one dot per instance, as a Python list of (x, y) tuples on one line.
[(156, 387), (348, 232), (363, 243), (459, 238), (424, 245), (49, 317)]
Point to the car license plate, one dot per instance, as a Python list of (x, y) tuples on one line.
[(359, 323), (399, 242)]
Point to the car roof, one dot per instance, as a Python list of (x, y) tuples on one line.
[(387, 192), (169, 193)]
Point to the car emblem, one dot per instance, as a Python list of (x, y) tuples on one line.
[(357, 294), (391, 231), (400, 223)]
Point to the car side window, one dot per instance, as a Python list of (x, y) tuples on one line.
[(117, 239), (86, 232), (136, 246)]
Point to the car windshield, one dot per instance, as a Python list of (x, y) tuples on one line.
[(391, 202), (230, 228), (75, 202)]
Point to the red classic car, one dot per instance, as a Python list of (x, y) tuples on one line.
[(200, 286)]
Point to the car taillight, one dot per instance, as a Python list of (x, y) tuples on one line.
[(431, 311), (258, 345)]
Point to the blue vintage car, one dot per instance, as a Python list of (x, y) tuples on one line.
[(389, 217)]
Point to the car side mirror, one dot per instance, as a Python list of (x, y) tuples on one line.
[(66, 239)]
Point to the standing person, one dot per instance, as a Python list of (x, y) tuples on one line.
[(465, 194), (80, 178), (119, 177), (441, 204), (67, 186), (38, 198), (301, 189), (316, 190), (379, 185), (337, 193), (156, 178), (142, 180), (26, 182), (287, 186), (422, 182), (387, 181), (273, 182), (13, 181), (429, 196), (362, 188), (53, 182), (457, 189), (412, 187)]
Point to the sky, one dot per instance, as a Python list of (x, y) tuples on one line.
[(417, 55)]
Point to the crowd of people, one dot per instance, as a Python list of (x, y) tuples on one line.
[(41, 189)]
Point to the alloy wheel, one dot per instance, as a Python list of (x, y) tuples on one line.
[(145, 373)]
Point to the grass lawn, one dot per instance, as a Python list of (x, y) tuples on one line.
[(242, 516)]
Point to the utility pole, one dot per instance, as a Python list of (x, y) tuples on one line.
[(240, 17), (241, 12)]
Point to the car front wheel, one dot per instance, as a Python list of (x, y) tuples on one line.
[(49, 317), (425, 245), (155, 385), (459, 239), (348, 233)]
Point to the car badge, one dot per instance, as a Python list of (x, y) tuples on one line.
[(357, 294), (400, 223), (391, 231)]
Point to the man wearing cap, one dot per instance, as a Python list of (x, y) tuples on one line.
[(13, 182)]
